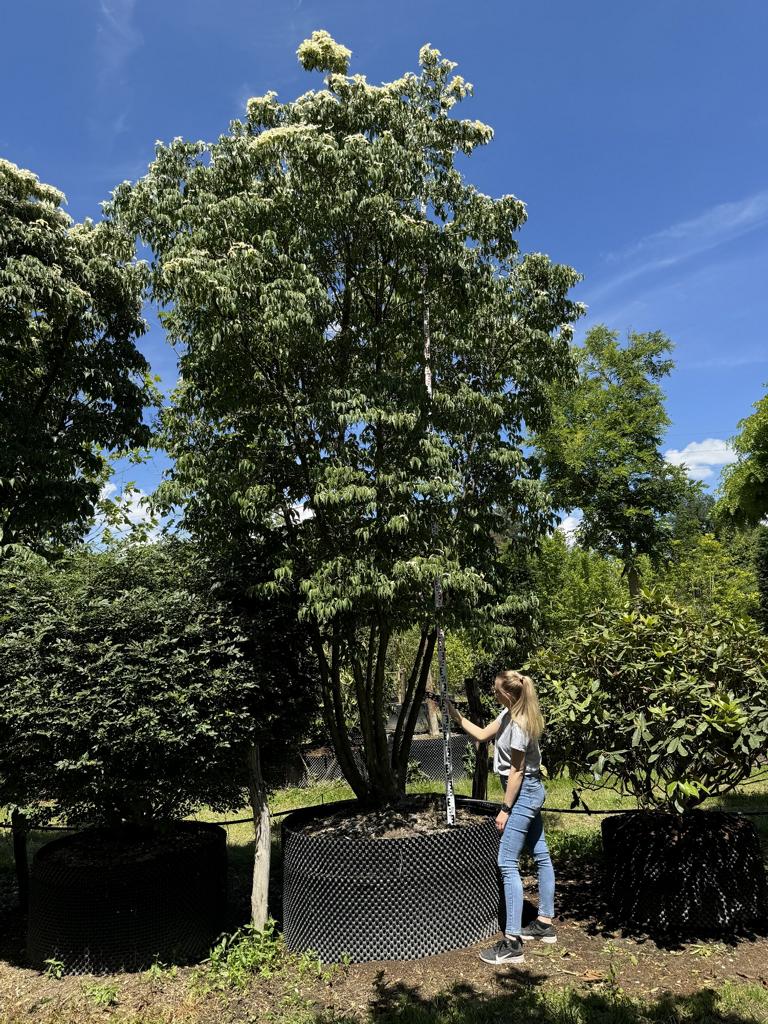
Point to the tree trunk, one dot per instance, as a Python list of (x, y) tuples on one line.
[(761, 568), (409, 712), (480, 775), (434, 722), (20, 832), (633, 580), (262, 839)]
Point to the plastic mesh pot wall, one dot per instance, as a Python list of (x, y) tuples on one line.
[(390, 898), (101, 918), (701, 871)]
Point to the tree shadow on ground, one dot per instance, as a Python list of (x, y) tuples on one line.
[(518, 999)]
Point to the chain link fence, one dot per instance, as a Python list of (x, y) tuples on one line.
[(304, 768)]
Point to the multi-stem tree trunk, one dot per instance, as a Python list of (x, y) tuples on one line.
[(262, 839), (377, 772)]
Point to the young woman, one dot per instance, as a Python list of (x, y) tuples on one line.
[(517, 761)]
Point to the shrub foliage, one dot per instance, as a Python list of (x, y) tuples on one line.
[(128, 693), (655, 702)]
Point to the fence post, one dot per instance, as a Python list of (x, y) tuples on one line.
[(480, 776), (20, 830)]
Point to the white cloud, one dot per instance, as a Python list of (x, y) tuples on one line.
[(117, 36), (699, 457), (117, 39), (715, 226), (677, 243), (134, 512), (568, 527)]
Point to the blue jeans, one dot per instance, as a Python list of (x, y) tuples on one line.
[(524, 825)]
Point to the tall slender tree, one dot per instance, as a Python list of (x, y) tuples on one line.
[(72, 381), (298, 258), (601, 451)]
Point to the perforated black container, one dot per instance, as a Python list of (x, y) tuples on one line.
[(163, 902), (696, 872), (393, 898)]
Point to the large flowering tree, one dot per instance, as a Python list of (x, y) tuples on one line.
[(304, 260)]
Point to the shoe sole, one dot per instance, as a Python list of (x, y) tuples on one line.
[(549, 939)]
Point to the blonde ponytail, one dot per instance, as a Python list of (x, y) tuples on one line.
[(519, 695)]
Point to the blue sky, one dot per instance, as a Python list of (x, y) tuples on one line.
[(637, 135)]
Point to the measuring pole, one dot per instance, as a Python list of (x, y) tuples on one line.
[(450, 798)]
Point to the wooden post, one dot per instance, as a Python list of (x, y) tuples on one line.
[(262, 846), (20, 830), (480, 776)]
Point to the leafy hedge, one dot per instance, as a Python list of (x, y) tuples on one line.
[(129, 692), (654, 702)]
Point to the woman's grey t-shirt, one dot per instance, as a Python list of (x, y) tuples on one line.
[(511, 737)]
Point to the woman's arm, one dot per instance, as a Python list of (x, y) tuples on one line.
[(475, 731), (514, 782)]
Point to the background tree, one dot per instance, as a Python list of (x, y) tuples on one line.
[(761, 569), (72, 382), (602, 452), (709, 575), (694, 514), (570, 582), (305, 259), (743, 499)]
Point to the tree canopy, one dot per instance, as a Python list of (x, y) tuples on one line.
[(72, 381), (744, 489), (602, 452), (306, 259)]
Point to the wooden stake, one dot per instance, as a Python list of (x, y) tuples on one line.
[(262, 846)]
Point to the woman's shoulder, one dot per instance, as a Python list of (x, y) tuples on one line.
[(520, 733)]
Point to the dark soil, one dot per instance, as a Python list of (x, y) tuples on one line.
[(407, 819), (108, 848)]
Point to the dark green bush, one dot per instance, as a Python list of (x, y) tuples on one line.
[(654, 702), (129, 692)]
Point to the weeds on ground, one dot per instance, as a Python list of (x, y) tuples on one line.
[(101, 994), (237, 958), (706, 949), (54, 968), (157, 973)]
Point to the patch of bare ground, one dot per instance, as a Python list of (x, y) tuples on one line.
[(592, 955)]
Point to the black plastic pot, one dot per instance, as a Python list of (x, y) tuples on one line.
[(390, 898), (99, 904), (684, 873)]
